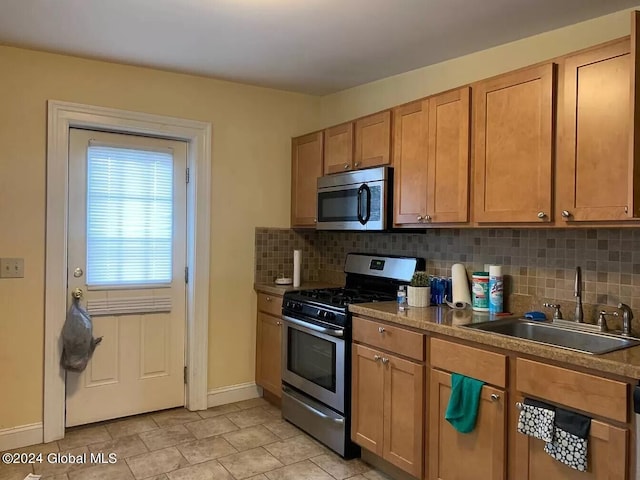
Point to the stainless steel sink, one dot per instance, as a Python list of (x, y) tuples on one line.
[(549, 334)]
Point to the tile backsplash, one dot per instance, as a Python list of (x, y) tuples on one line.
[(536, 262)]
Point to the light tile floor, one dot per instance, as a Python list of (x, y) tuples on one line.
[(244, 440)]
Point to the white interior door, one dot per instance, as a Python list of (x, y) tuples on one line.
[(127, 253)]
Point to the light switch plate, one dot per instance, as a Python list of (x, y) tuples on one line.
[(11, 267)]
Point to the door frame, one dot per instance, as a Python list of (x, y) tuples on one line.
[(61, 117)]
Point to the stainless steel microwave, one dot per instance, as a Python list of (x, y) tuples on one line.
[(357, 200)]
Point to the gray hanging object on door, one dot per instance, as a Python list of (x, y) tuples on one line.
[(77, 338)]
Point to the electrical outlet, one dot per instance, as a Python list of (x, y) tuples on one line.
[(11, 267)]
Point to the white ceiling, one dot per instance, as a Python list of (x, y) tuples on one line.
[(310, 46)]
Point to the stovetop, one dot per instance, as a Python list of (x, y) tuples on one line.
[(369, 278), (327, 306), (340, 297)]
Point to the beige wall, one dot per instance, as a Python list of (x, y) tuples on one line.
[(250, 187), (391, 91)]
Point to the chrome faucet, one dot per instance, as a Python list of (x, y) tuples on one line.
[(602, 322), (557, 314), (627, 316), (579, 315)]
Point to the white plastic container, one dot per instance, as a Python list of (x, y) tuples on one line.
[(480, 291), (402, 298), (496, 289)]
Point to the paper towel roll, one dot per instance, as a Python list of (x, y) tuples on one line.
[(297, 263), (460, 286)]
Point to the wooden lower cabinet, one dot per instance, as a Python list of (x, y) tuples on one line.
[(607, 460), (269, 344), (608, 445), (367, 382), (268, 372), (480, 454), (388, 406)]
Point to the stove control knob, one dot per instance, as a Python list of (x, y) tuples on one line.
[(330, 315), (298, 306), (288, 304)]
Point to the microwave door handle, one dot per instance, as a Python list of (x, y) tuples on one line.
[(365, 187), (359, 196)]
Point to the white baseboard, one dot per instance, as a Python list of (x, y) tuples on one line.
[(21, 436), (233, 393)]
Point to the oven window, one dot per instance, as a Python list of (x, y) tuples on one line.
[(342, 205), (312, 358)]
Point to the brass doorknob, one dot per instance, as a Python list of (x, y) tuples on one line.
[(77, 293)]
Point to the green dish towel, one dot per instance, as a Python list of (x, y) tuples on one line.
[(462, 409)]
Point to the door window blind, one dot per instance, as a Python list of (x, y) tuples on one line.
[(129, 216)]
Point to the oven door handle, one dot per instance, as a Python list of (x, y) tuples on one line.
[(339, 333), (315, 411)]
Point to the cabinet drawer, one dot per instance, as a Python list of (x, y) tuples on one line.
[(270, 304), (472, 362), (394, 339), (592, 394)]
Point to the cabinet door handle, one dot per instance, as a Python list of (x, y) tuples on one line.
[(346, 166), (385, 360), (278, 323), (495, 397), (419, 218), (268, 299), (381, 329), (427, 218), (376, 357), (357, 164), (566, 213), (542, 215)]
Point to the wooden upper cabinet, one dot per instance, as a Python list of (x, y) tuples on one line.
[(431, 160), (306, 167), (373, 140), (449, 148), (480, 453), (513, 146), (410, 153), (338, 148), (594, 165)]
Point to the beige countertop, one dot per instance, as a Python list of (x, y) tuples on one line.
[(274, 289), (446, 321)]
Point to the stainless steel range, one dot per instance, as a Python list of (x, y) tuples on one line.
[(316, 353)]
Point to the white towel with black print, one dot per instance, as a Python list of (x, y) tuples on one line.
[(569, 444), (537, 419)]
